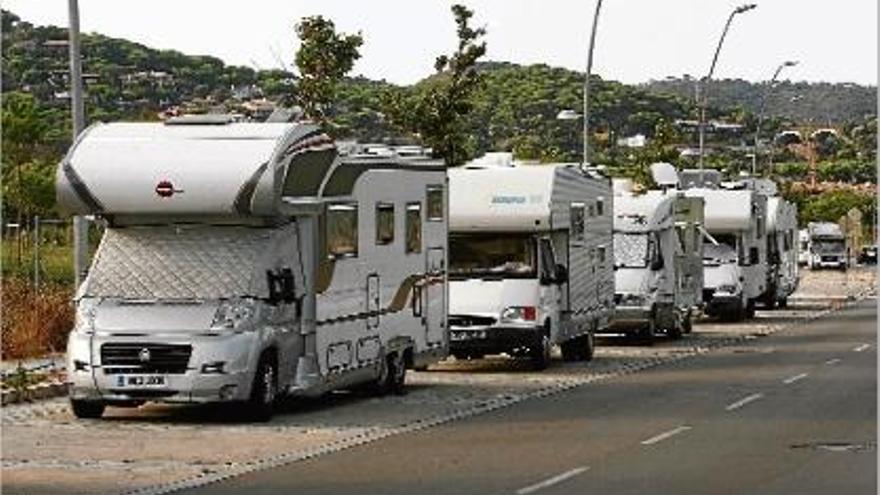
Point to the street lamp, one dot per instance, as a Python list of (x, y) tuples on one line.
[(764, 95), (586, 115), (702, 101)]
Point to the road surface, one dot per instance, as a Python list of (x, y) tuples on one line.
[(792, 413)]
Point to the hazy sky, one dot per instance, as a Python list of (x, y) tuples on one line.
[(637, 40)]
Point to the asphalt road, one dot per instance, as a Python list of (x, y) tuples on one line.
[(793, 413)]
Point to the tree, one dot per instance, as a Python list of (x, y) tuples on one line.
[(323, 59), (436, 111), (25, 129)]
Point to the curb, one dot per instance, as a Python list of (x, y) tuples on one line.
[(38, 392)]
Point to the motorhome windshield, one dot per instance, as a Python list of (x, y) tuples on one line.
[(631, 250), (510, 256), (179, 262), (828, 246)]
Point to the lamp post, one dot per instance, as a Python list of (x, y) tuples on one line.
[(764, 95), (586, 150), (80, 225), (701, 99)]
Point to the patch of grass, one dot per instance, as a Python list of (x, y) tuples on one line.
[(34, 323)]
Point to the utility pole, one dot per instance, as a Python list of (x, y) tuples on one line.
[(761, 111), (80, 225)]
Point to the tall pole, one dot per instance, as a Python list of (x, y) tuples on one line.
[(77, 108), (761, 111), (586, 150), (701, 92)]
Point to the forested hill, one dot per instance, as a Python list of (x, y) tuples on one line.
[(819, 103)]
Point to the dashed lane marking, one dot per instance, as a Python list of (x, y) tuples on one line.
[(832, 361), (665, 435), (862, 347), (795, 378), (742, 402), (559, 478)]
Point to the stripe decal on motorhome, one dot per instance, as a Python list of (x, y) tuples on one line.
[(398, 302), (80, 188), (242, 203)]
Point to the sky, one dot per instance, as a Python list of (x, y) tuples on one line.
[(637, 40)]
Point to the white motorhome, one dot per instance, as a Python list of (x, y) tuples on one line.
[(803, 247), (530, 260), (245, 261), (735, 254), (782, 252), (827, 246), (657, 262)]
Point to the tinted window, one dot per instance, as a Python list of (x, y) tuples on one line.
[(342, 229), (435, 203), (384, 223), (414, 228)]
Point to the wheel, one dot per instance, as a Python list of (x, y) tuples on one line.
[(261, 404), (783, 303), (87, 409), (392, 375), (648, 334), (590, 347), (687, 325), (676, 332), (540, 354), (770, 302), (750, 309), (571, 350)]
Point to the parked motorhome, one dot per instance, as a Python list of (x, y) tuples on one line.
[(530, 260), (827, 246), (735, 269), (782, 252), (657, 262), (241, 262)]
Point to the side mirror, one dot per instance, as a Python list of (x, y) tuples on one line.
[(657, 263), (561, 274)]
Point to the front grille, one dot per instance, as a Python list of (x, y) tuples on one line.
[(471, 321), (118, 358), (829, 259)]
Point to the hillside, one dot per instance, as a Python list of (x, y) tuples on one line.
[(803, 102)]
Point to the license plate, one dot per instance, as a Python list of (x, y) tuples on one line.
[(132, 381)]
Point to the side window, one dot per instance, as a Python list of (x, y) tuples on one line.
[(384, 223), (342, 230), (602, 255), (434, 198), (413, 228), (576, 214), (754, 257), (600, 206)]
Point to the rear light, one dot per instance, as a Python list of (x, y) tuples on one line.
[(519, 314), (530, 313)]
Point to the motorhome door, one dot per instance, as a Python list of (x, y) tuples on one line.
[(434, 295)]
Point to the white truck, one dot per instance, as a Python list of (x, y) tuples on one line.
[(530, 260), (735, 254), (242, 261), (827, 246), (658, 256)]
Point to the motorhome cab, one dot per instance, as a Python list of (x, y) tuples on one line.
[(735, 253), (827, 246), (657, 262), (530, 260), (244, 261)]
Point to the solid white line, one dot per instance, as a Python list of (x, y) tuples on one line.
[(559, 478), (862, 347), (665, 435), (789, 381), (738, 404), (833, 361)]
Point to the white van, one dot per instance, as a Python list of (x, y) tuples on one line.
[(782, 252), (530, 260), (241, 262)]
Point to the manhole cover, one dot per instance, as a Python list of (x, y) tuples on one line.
[(837, 446)]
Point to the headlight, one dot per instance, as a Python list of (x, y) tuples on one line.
[(232, 313), (519, 314), (84, 317), (730, 289)]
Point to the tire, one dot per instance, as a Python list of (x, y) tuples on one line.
[(580, 348), (783, 303), (648, 334), (676, 332), (770, 302), (87, 409), (687, 325), (590, 346), (264, 391), (398, 374), (750, 309), (540, 353), (392, 376)]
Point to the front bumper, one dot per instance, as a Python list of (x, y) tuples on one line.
[(94, 381), (492, 339), (723, 303)]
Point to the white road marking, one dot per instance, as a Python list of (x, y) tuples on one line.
[(833, 361), (665, 435), (559, 478), (745, 400), (789, 381), (862, 347)]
